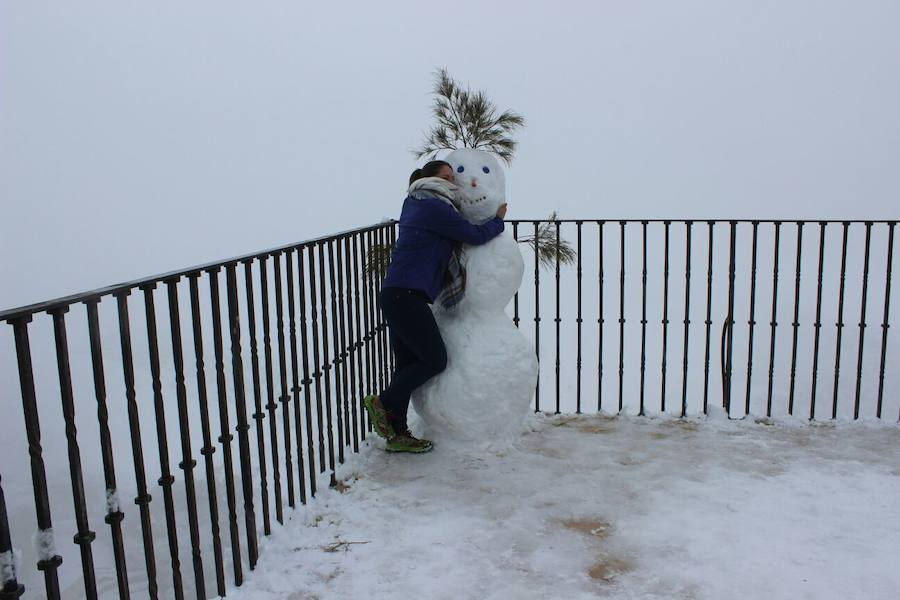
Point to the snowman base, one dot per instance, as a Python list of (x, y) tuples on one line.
[(484, 395)]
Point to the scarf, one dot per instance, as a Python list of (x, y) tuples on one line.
[(454, 289)]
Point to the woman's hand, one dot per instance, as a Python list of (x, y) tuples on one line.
[(501, 212)]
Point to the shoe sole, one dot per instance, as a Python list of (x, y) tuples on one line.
[(409, 450)]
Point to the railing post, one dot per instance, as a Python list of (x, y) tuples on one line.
[(11, 588), (818, 322), (258, 414), (887, 308), (348, 345), (687, 314), (85, 536), (187, 463), (326, 363), (643, 366), (360, 333), (578, 321), (621, 312), (840, 321), (515, 233), (336, 363), (796, 323), (114, 514), (48, 559), (557, 320), (143, 498), (271, 405), (862, 320), (729, 321), (316, 363), (208, 449), (665, 316), (751, 322), (600, 278), (306, 382), (708, 321), (295, 372), (284, 397), (773, 323), (366, 336), (537, 315), (225, 438), (166, 480), (240, 404)]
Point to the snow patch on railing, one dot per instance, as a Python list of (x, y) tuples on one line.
[(112, 500), (45, 544), (10, 562)]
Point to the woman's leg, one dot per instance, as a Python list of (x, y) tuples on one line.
[(403, 356), (418, 348)]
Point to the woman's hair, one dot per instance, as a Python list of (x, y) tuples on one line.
[(433, 167), (430, 169)]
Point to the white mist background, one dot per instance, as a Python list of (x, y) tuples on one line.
[(140, 139)]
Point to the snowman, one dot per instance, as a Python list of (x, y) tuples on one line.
[(485, 392)]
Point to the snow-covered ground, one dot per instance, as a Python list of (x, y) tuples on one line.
[(592, 506)]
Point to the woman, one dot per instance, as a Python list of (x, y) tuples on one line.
[(430, 229)]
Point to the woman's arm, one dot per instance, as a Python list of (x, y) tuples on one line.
[(446, 222)]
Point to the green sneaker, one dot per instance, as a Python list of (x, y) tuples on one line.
[(407, 442), (378, 416)]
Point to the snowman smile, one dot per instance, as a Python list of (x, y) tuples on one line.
[(471, 201)]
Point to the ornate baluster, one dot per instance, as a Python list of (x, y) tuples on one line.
[(85, 536), (48, 559)]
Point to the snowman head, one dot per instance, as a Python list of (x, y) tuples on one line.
[(481, 182)]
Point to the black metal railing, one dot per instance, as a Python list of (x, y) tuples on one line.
[(843, 257), (283, 355), (294, 339)]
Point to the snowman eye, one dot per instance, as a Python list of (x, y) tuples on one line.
[(460, 169), (485, 169)]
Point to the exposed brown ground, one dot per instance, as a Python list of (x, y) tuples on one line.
[(607, 567)]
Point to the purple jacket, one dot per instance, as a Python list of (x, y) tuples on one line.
[(429, 228)]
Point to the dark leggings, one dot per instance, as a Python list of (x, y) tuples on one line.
[(419, 351)]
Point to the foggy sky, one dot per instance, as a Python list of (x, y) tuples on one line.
[(143, 138)]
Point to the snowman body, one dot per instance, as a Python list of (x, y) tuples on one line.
[(486, 390)]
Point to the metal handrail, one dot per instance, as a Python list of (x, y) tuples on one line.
[(12, 314)]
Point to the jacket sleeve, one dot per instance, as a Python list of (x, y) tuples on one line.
[(448, 223)]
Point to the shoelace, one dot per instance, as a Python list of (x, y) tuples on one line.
[(408, 434)]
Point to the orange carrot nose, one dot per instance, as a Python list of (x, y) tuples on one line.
[(474, 183)]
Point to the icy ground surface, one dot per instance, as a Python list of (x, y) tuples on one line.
[(593, 507)]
